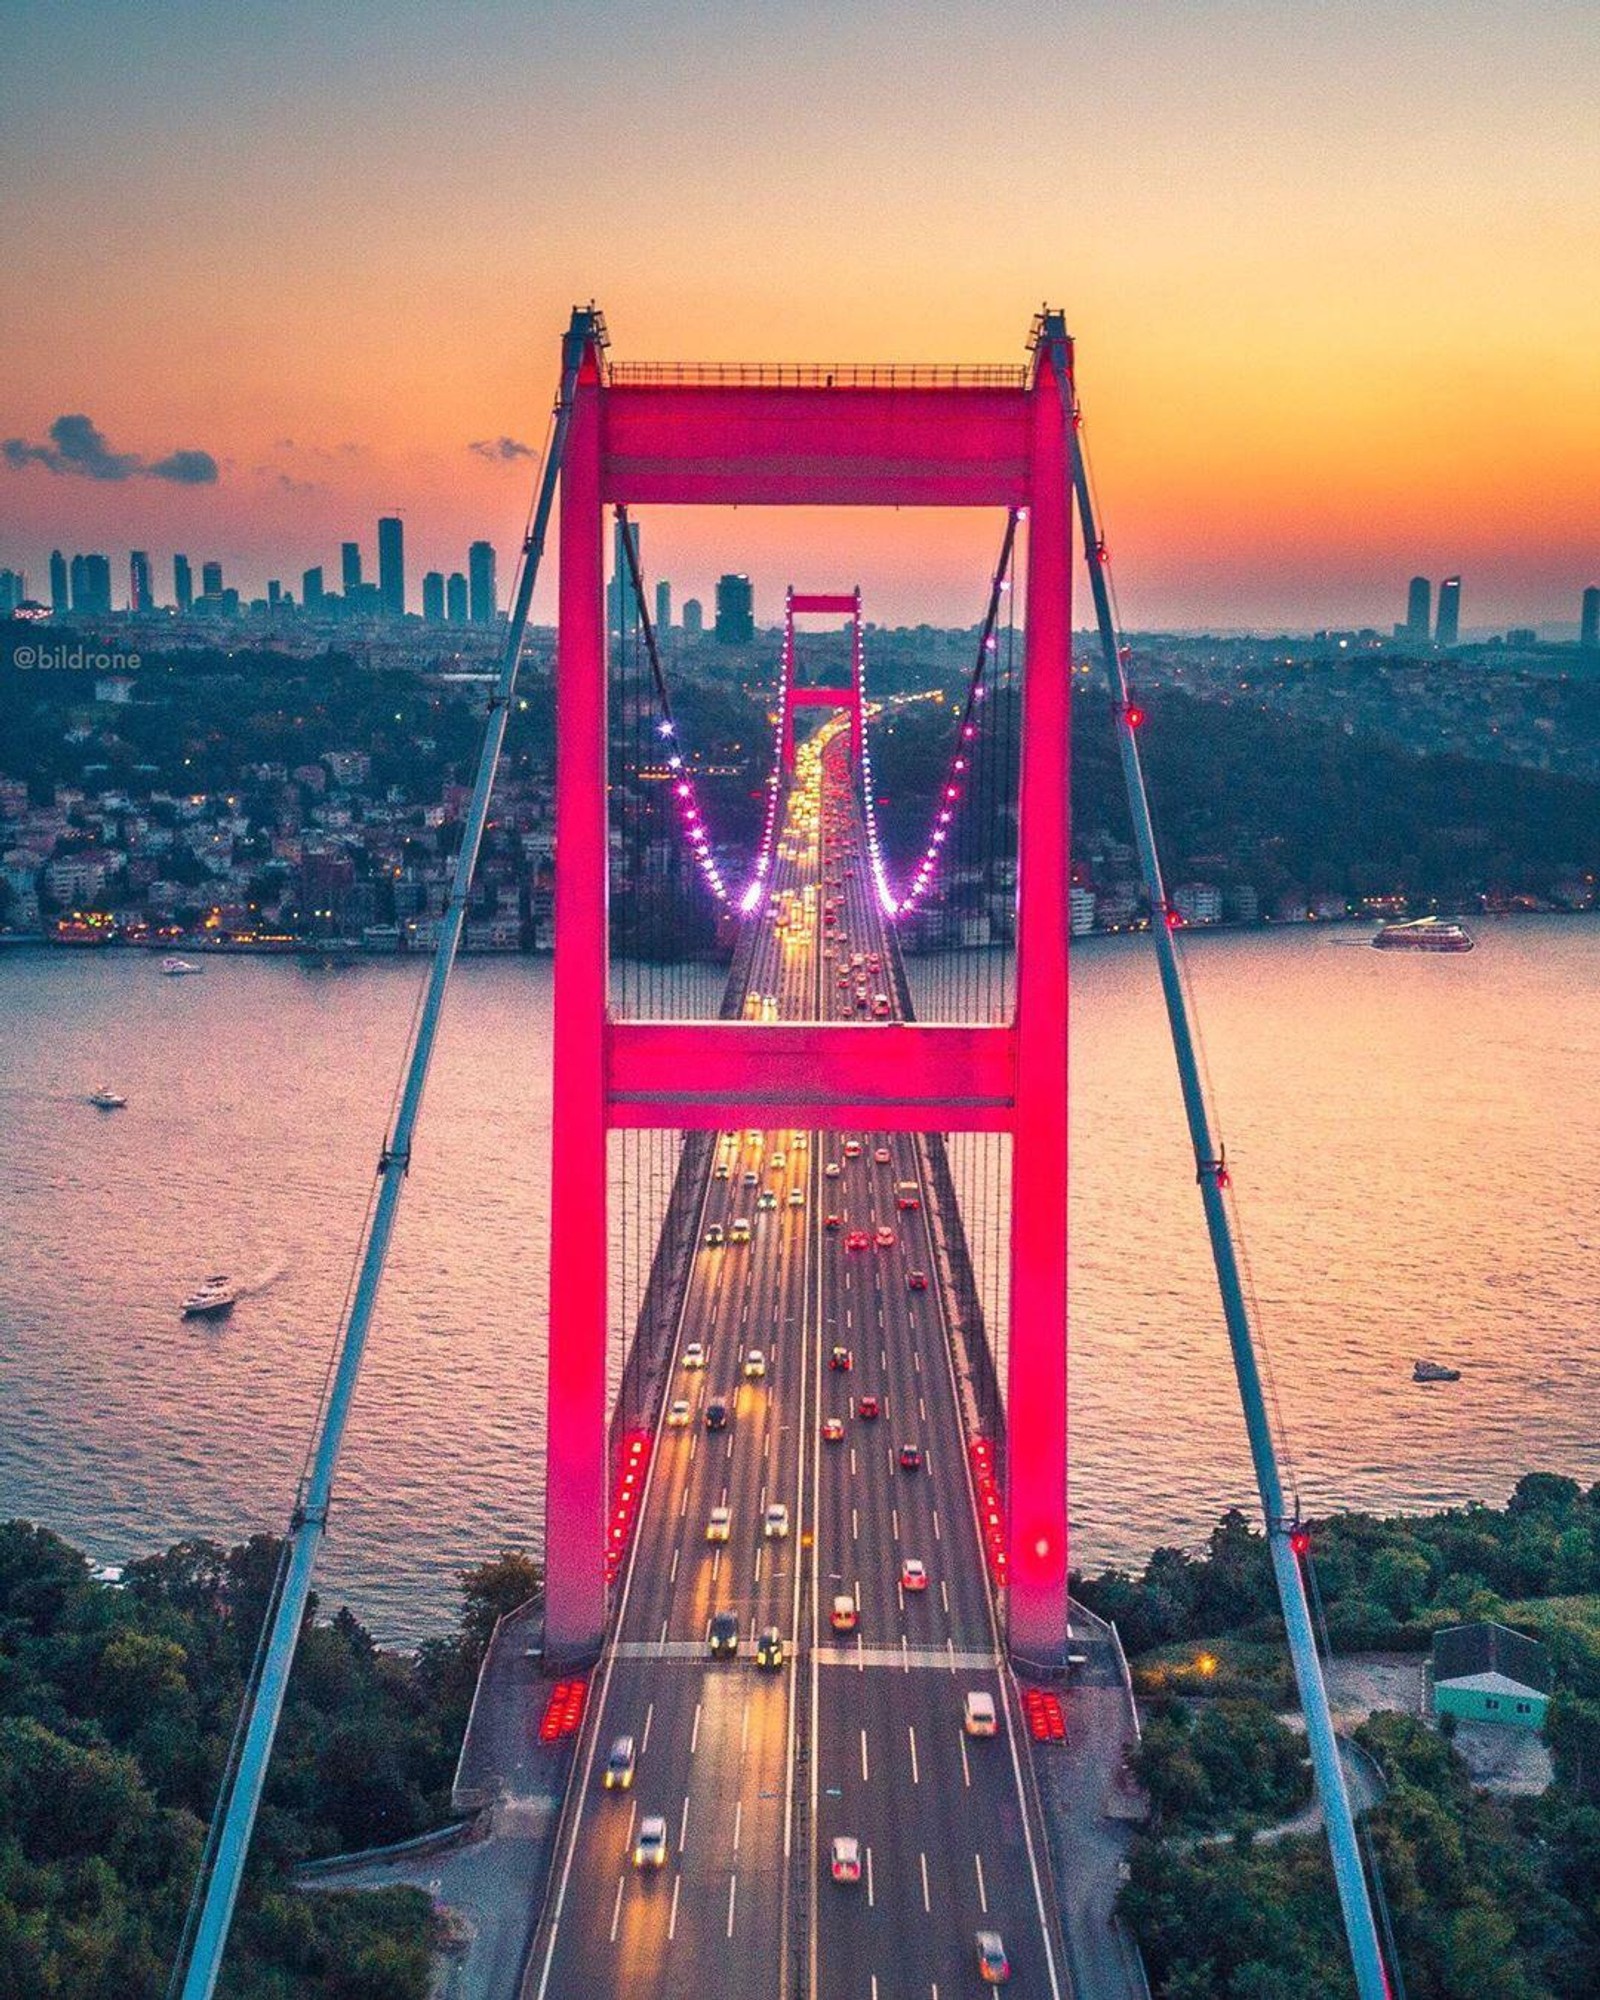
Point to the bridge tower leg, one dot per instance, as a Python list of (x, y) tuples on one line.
[(575, 1480), (1036, 1366)]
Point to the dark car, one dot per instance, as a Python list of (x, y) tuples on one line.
[(769, 1649), (723, 1637), (717, 1414)]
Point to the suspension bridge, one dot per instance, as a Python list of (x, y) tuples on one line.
[(806, 1544)]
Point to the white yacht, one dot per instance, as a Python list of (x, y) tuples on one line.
[(175, 968), (106, 1099), (218, 1295)]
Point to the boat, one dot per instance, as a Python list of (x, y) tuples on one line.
[(1434, 1371), (1423, 934), (175, 968), (106, 1099), (218, 1295)]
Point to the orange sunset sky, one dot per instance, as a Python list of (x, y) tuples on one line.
[(1334, 271)]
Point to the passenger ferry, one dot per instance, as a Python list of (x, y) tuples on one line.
[(1423, 934)]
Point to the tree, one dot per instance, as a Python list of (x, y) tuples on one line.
[(492, 1589)]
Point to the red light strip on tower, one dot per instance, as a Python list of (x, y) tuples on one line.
[(625, 1501), (991, 1507)]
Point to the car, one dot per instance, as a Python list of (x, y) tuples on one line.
[(883, 1236), (844, 1858), (694, 1355), (750, 1178), (913, 1574), (766, 1201), (620, 1759), (779, 1161), (994, 1968), (719, 1524), (717, 1414), (769, 1649), (716, 1236), (650, 1845), (722, 1635), (916, 1281), (911, 1458), (833, 1221), (858, 1239), (907, 1195), (755, 1365), (753, 1135), (978, 1716), (831, 1171), (799, 1141), (739, 1229), (869, 1407), (843, 1616), (678, 1413), (775, 1522), (833, 1430), (880, 1156), (720, 1171), (841, 1360), (852, 1149), (797, 1197)]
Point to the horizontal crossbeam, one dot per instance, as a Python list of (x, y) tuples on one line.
[(695, 446), (812, 1076), (822, 600)]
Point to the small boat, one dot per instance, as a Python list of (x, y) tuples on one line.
[(175, 968), (106, 1099), (1434, 1371), (1423, 934), (218, 1295)]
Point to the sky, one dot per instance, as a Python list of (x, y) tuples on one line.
[(1331, 267)]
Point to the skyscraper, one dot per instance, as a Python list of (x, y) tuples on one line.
[(13, 589), (694, 618), (350, 568), (481, 599), (1589, 620), (140, 596), (1449, 625), (392, 566), (623, 615), (433, 598), (211, 579), (60, 602), (1419, 598), (311, 591), (663, 606), (91, 585), (736, 624), (182, 582), (455, 598)]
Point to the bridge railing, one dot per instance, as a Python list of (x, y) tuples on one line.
[(817, 375)]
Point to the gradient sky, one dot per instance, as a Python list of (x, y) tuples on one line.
[(1334, 271)]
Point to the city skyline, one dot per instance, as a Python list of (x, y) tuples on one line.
[(1310, 320)]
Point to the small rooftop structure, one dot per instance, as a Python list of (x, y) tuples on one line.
[(1488, 1673)]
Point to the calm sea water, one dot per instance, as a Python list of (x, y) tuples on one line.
[(1411, 1139)]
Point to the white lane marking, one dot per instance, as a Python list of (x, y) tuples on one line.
[(865, 1775), (683, 1824), (944, 1596), (871, 1901), (665, 1623), (911, 1734), (922, 1409), (894, 1521), (644, 1738), (616, 1908), (905, 1649), (672, 1914), (744, 1729), (672, 1574), (758, 1565), (733, 1893), (694, 1733), (738, 1822), (685, 1507), (716, 1562), (855, 1526), (936, 1535), (927, 1900), (916, 1362), (852, 1461), (983, 1892)]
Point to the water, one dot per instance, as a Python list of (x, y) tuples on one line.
[(1408, 1138)]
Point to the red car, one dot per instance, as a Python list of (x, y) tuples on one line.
[(868, 1407), (911, 1458), (841, 1360), (833, 1222), (856, 1240), (884, 1237), (916, 1281)]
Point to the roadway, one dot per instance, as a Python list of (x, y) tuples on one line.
[(860, 1733)]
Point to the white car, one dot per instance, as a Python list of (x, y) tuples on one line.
[(755, 1365), (913, 1574), (694, 1355), (831, 1170), (775, 1522), (844, 1860), (797, 1197), (650, 1848), (678, 1413), (720, 1525)]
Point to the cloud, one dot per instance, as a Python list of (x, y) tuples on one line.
[(502, 450), (78, 449)]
